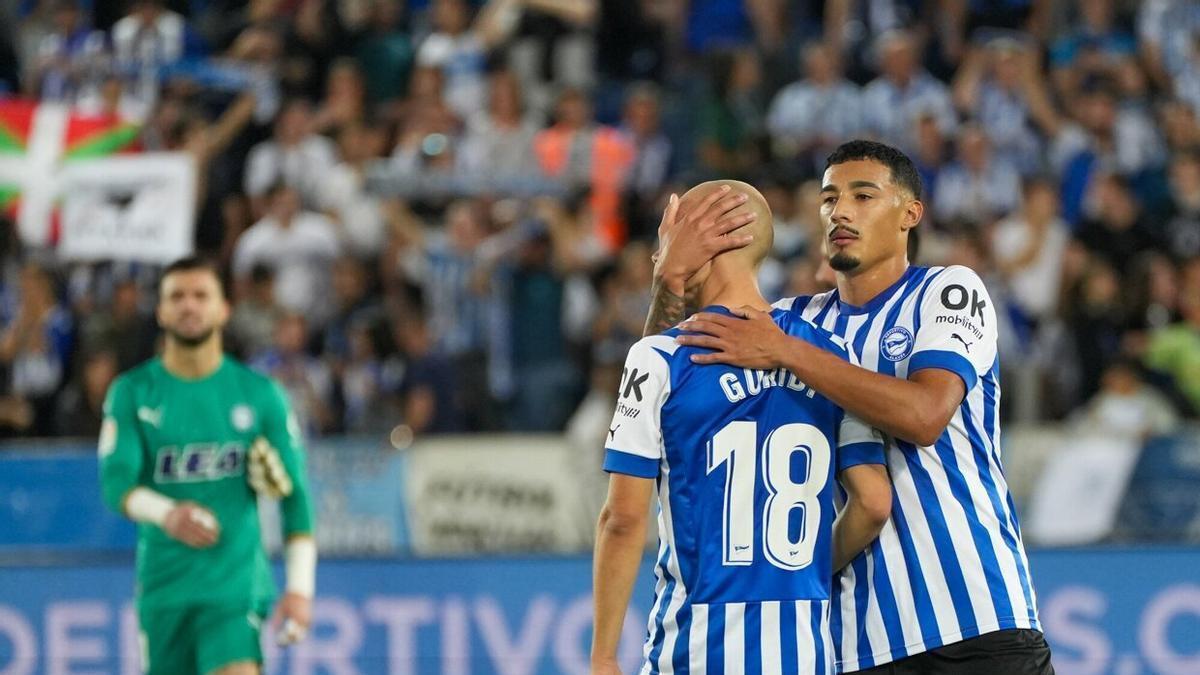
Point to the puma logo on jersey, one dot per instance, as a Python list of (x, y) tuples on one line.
[(966, 345), (151, 416)]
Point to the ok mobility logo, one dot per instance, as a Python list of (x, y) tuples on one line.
[(955, 297)]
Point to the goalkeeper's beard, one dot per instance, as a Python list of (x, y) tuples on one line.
[(191, 341)]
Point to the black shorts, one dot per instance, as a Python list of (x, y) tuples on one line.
[(1006, 652)]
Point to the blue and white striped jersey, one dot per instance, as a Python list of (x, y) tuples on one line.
[(949, 565), (744, 462)]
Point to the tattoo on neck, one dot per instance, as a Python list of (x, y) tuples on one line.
[(666, 308)]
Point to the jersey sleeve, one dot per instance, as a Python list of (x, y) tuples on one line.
[(858, 443), (635, 443), (957, 327), (120, 447), (283, 433)]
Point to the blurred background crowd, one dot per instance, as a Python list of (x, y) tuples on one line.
[(440, 213)]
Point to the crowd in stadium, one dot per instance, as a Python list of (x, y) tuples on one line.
[(442, 214)]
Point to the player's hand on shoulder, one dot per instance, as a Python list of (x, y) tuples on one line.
[(749, 339), (294, 618), (265, 471), (193, 525)]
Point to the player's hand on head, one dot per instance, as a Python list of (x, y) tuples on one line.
[(293, 618), (193, 525), (689, 238), (749, 339)]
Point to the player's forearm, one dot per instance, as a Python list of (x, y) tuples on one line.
[(900, 408), (300, 565), (143, 505), (853, 532), (668, 304), (620, 543)]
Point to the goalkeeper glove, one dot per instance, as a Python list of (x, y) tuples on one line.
[(267, 475)]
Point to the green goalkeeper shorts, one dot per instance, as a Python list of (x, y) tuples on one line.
[(199, 639)]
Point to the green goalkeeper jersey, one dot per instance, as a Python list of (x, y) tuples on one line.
[(188, 439)]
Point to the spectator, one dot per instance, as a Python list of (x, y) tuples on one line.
[(1029, 247), (1180, 218), (545, 379), (386, 53), (428, 126), (999, 84), (731, 118), (1115, 228), (903, 92), (345, 98), (368, 403), (69, 58), (1178, 124), (35, 346), (719, 24), (295, 156), (124, 330), (307, 380), (1126, 406), (298, 246), (499, 140), (642, 124), (255, 314), (357, 214), (1156, 20), (149, 37), (456, 286), (654, 159), (1103, 139), (353, 306), (624, 301), (811, 116), (430, 400), (552, 46), (1096, 45), (459, 48), (1096, 318), (931, 156), (81, 405), (1175, 350), (978, 186), (581, 153)]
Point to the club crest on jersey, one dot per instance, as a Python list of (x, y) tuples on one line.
[(242, 417), (896, 344)]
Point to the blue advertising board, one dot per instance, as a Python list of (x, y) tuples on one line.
[(1124, 612), (50, 500)]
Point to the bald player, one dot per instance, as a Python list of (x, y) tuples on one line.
[(744, 463)]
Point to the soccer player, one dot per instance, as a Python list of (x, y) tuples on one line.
[(188, 441), (946, 588), (744, 462)]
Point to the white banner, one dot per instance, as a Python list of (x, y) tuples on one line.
[(1080, 489), (514, 494), (131, 207)]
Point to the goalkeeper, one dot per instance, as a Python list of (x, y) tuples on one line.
[(189, 441)]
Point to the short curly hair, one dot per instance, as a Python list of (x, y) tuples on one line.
[(904, 173)]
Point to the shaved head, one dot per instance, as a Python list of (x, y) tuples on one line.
[(762, 227)]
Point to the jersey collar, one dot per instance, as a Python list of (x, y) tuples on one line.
[(877, 301)]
